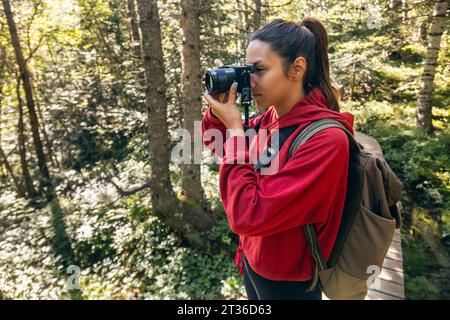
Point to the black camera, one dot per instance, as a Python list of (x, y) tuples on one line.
[(220, 80)]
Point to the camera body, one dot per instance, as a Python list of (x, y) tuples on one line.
[(220, 80)]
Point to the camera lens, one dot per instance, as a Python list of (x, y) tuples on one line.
[(220, 80), (209, 82)]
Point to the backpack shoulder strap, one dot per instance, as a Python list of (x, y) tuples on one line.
[(318, 126)]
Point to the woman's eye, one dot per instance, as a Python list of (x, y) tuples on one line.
[(259, 69)]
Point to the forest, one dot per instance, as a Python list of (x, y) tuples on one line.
[(92, 93)]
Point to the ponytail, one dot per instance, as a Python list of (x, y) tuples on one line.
[(306, 39), (319, 74)]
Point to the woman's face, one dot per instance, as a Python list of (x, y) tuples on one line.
[(270, 85)]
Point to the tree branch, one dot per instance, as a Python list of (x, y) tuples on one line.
[(277, 6), (120, 190), (33, 16)]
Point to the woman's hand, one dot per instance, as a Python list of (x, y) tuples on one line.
[(224, 107)]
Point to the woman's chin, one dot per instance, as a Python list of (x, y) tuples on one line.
[(262, 107)]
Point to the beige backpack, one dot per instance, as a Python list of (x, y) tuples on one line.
[(368, 222)]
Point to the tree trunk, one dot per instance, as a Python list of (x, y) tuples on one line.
[(5, 161), (2, 77), (135, 47), (257, 15), (247, 23), (423, 32), (424, 112), (352, 85), (45, 182), (30, 190), (187, 221), (135, 39), (191, 87), (48, 143), (238, 25)]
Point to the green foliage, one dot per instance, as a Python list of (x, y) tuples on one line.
[(421, 289), (419, 259), (122, 251), (419, 263), (29, 267), (421, 161)]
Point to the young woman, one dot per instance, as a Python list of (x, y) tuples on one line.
[(267, 211)]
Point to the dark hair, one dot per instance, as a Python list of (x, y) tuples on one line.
[(307, 39)]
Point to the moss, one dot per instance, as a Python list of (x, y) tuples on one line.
[(188, 202), (195, 239)]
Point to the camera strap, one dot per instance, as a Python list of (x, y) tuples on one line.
[(270, 153)]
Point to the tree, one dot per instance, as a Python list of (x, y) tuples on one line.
[(188, 221), (29, 187), (257, 15), (191, 90), (5, 162), (134, 28), (424, 112), (45, 182)]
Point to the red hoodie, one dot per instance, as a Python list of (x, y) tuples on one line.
[(267, 211)]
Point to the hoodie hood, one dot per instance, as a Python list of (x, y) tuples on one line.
[(310, 108)]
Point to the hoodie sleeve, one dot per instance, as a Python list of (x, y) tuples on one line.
[(300, 193), (213, 127)]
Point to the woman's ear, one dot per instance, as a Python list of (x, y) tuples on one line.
[(298, 69)]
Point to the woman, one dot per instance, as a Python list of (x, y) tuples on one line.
[(267, 211)]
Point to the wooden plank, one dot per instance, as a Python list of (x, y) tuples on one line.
[(394, 255), (397, 237), (396, 245), (393, 265), (392, 276), (372, 295), (395, 248), (376, 295), (391, 288)]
